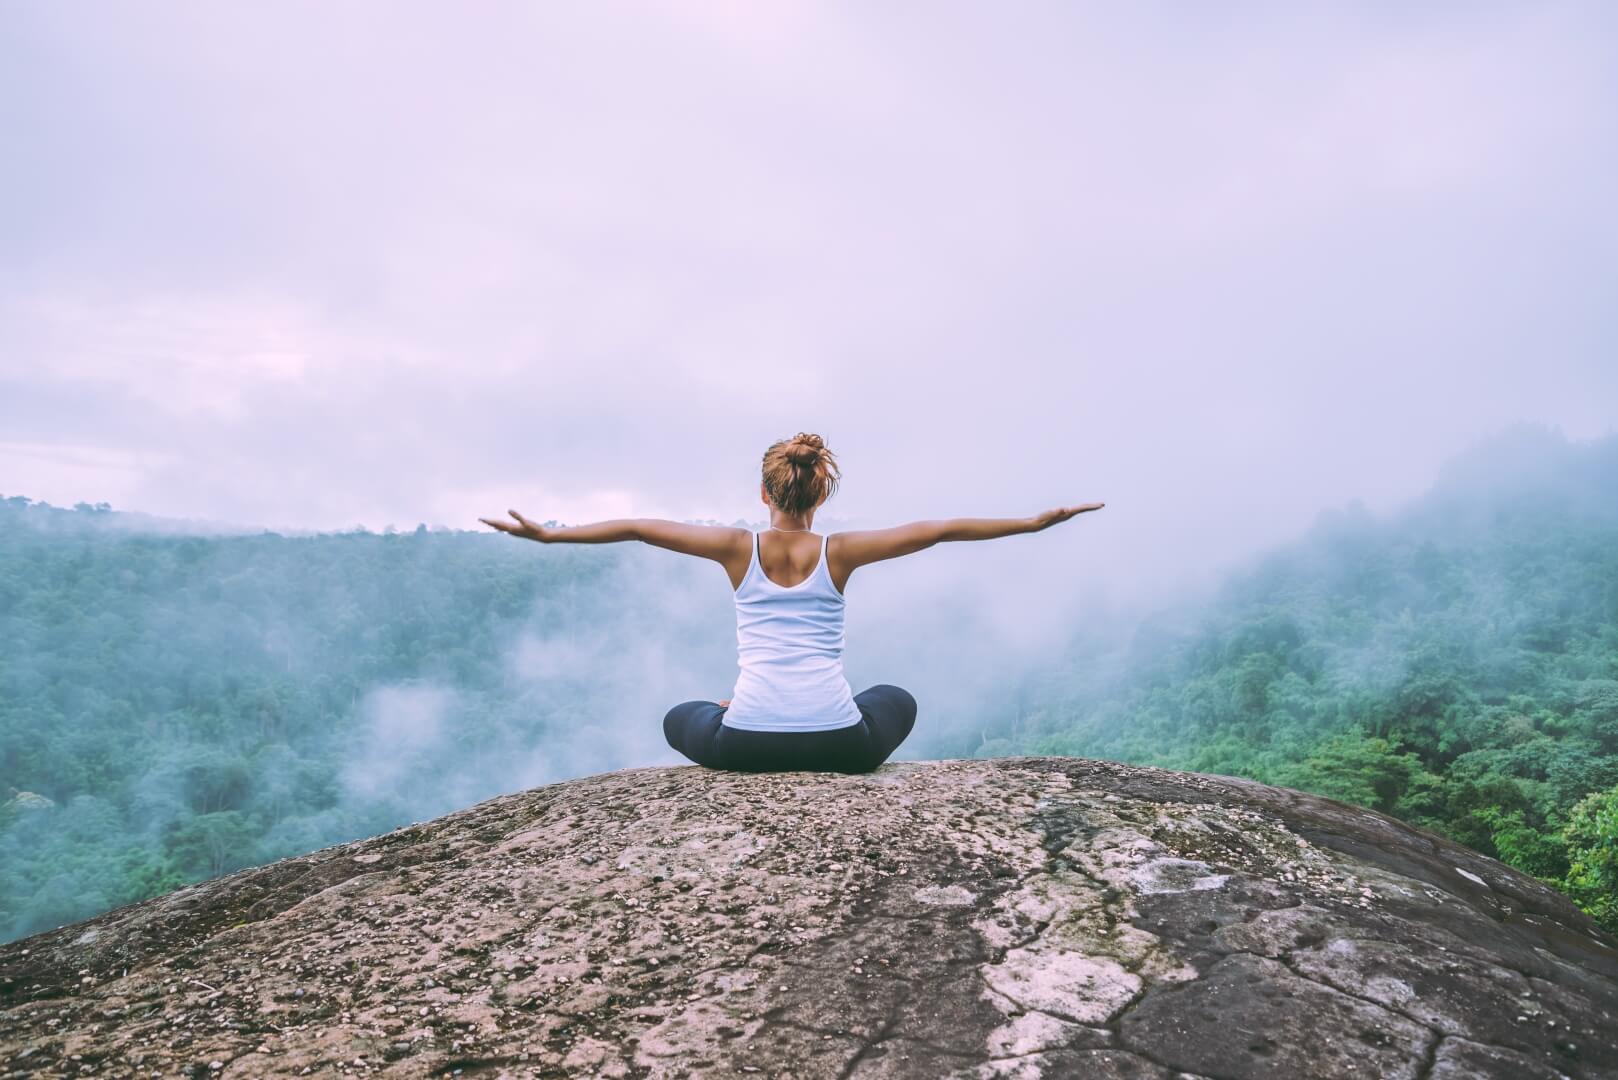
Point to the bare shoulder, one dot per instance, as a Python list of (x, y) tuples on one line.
[(738, 542), (731, 536), (719, 542), (853, 549), (838, 566)]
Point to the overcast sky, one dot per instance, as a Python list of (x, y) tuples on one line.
[(1219, 266)]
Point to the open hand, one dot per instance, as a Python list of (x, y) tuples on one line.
[(1052, 517), (524, 528)]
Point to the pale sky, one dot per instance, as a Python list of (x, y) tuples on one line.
[(1219, 266)]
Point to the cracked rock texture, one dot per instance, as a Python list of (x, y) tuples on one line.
[(1020, 917)]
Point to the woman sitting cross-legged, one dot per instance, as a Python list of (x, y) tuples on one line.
[(792, 708)]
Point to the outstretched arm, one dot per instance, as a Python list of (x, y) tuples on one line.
[(717, 542), (602, 532), (874, 545)]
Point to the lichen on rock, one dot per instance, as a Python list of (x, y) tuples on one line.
[(1019, 917)]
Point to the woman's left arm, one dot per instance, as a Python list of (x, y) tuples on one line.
[(717, 542)]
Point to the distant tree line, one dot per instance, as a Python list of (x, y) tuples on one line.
[(175, 707)]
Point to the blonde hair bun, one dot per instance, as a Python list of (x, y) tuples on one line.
[(800, 473)]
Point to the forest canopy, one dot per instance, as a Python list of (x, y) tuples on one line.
[(176, 706)]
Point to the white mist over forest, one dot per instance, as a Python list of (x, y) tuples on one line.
[(199, 701)]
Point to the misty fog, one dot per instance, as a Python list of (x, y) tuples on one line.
[(1316, 300)]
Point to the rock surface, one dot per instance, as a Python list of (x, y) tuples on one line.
[(1019, 917)]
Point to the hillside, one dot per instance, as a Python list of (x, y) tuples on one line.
[(1454, 664), (176, 707), (1018, 917)]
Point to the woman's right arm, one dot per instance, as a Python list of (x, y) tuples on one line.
[(855, 549)]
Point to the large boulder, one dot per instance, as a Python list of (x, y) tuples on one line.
[(1019, 917)]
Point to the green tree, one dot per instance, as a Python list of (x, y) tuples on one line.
[(1591, 840)]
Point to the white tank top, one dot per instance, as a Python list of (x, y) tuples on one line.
[(789, 646)]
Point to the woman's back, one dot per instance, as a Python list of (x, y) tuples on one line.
[(792, 707), (789, 644)]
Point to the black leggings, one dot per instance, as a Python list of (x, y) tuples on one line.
[(887, 713)]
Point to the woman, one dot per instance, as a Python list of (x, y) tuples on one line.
[(792, 707)]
